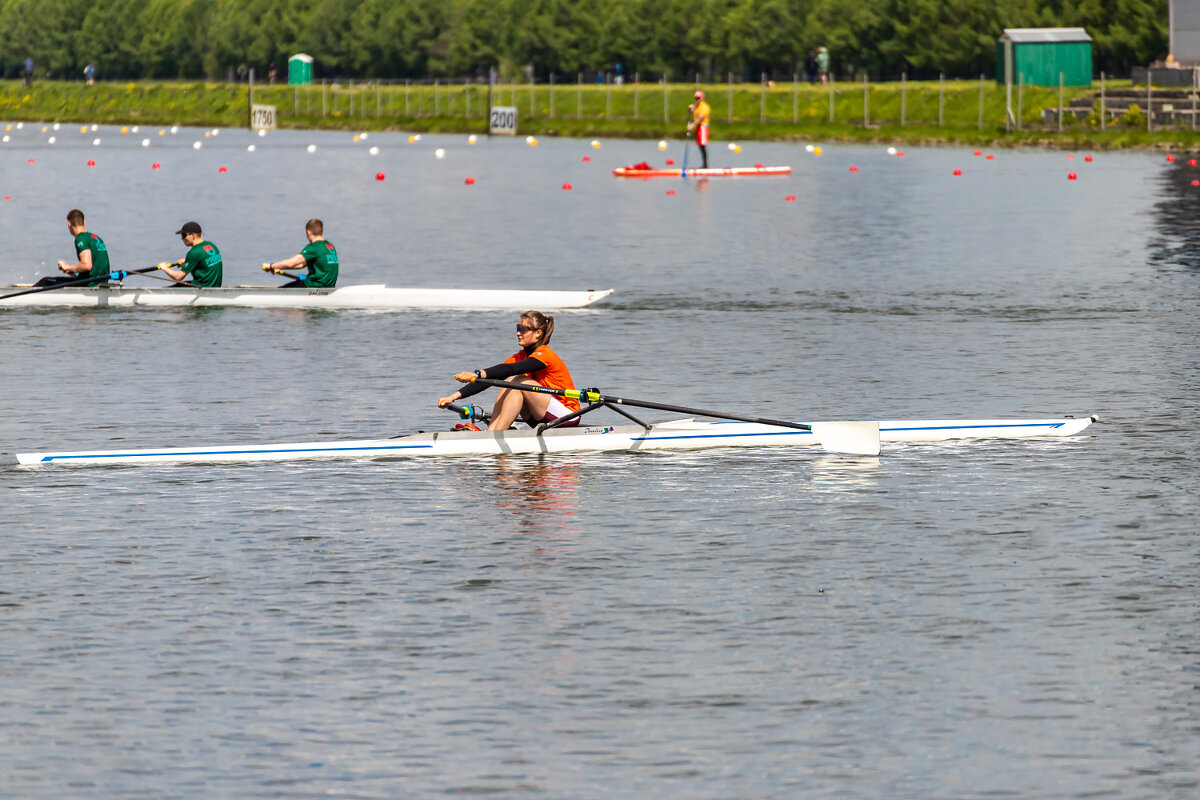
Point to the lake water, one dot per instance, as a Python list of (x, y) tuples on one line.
[(1002, 619)]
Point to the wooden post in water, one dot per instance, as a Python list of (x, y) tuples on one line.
[(941, 99), (903, 98)]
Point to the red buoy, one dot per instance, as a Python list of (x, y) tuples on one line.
[(978, 153), (991, 157), (670, 192), (156, 165), (791, 198), (1071, 176), (957, 172), (469, 181), (853, 168), (1170, 159), (1191, 162), (758, 165), (379, 176), (670, 162), (1088, 158), (587, 159), (222, 170), (566, 187), (91, 162)]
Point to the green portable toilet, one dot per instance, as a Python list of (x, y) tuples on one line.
[(300, 68), (1037, 56)]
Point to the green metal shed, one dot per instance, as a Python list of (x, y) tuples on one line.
[(1037, 56)]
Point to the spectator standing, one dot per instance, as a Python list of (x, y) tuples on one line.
[(823, 63)]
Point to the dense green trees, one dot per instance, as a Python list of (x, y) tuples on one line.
[(457, 38)]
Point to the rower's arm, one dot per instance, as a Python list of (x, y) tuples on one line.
[(500, 372), (294, 262), (84, 265)]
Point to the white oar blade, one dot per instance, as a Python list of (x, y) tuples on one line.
[(851, 438)]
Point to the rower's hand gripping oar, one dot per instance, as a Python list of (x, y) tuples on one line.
[(115, 275), (267, 268), (854, 438)]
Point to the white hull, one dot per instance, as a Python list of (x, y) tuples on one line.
[(347, 297), (676, 435)]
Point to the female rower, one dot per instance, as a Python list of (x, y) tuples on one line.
[(535, 362)]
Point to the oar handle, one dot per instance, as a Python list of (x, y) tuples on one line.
[(594, 396), (267, 268), (468, 411)]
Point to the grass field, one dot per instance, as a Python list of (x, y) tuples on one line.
[(964, 112)]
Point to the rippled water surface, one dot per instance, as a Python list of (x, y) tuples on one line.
[(1001, 619)]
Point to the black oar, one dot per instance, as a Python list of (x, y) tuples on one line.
[(858, 438), (116, 275)]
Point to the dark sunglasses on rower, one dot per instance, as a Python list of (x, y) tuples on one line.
[(525, 329)]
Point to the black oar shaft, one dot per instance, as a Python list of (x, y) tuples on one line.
[(596, 397), (115, 274)]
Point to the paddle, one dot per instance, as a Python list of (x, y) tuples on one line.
[(116, 275), (856, 438), (267, 268)]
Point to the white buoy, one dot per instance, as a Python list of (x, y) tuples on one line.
[(95, 128), (57, 126), (891, 151), (312, 148), (50, 140), (362, 136), (808, 148), (595, 142), (96, 142), (472, 139), (7, 137), (20, 125), (145, 142), (374, 151), (216, 131), (662, 145), (197, 145), (134, 129), (174, 129), (440, 153), (250, 149), (262, 132)]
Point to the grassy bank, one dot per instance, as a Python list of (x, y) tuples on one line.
[(956, 112)]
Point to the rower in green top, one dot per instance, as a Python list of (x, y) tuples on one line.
[(203, 260), (319, 257), (89, 249)]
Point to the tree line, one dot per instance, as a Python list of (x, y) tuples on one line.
[(395, 39)]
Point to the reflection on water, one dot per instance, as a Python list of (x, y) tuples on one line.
[(1177, 218), (537, 497), (842, 473)]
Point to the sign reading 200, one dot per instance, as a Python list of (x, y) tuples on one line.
[(503, 120)]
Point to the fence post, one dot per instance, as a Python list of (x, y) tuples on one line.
[(579, 103), (941, 99), (324, 91), (532, 103), (1060, 102), (607, 95), (378, 97), (406, 98), (1195, 75), (831, 97), (795, 98), (903, 98), (729, 83), (551, 90), (637, 86), (1103, 109), (866, 103), (762, 94), (666, 115), (1020, 97), (981, 85), (1149, 100), (297, 101)]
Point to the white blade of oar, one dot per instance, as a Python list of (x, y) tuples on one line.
[(851, 438)]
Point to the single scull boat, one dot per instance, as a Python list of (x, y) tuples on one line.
[(683, 434), (376, 296), (699, 172)]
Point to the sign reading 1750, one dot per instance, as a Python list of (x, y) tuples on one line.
[(503, 121)]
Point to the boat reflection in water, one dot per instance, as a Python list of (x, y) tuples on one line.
[(537, 497), (839, 473)]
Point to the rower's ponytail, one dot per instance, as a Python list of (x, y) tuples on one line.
[(541, 322)]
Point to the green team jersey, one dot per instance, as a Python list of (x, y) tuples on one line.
[(321, 261), (204, 263), (100, 268)]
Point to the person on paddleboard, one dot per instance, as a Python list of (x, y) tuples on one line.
[(701, 112), (89, 249), (535, 362), (319, 257), (202, 262)]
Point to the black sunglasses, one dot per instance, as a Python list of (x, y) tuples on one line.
[(525, 329)]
